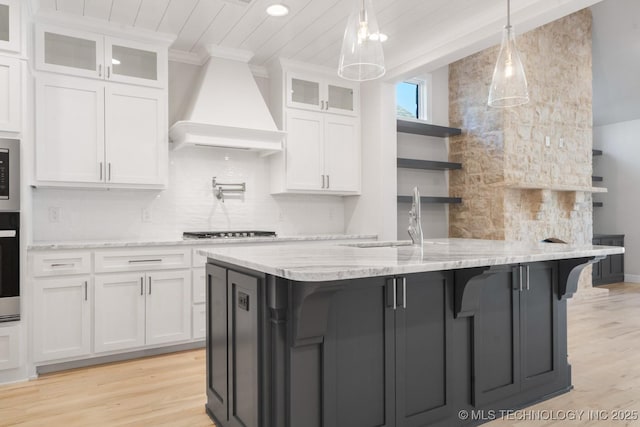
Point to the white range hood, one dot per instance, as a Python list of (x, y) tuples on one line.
[(227, 109)]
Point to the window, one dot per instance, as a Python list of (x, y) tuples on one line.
[(411, 99)]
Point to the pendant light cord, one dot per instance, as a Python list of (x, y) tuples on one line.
[(508, 13)]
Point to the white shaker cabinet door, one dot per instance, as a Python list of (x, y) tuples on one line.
[(10, 96), (136, 135), (342, 153), (119, 311), (10, 25), (168, 306), (69, 129), (304, 150), (62, 316)]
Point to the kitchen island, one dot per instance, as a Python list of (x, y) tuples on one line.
[(388, 334)]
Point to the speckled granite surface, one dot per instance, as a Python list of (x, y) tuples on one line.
[(194, 242), (348, 261)]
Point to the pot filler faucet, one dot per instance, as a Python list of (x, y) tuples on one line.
[(415, 226)]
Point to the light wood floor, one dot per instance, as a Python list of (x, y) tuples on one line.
[(604, 350)]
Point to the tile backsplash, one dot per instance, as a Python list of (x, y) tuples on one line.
[(188, 204)]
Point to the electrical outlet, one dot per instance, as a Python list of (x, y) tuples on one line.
[(561, 142), (54, 214), (547, 141), (146, 215)]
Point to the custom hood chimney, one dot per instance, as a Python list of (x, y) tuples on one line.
[(227, 108)]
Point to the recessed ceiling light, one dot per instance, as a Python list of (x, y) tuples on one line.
[(278, 10), (379, 36)]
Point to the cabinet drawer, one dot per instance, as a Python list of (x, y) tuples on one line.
[(198, 285), (147, 259), (61, 263)]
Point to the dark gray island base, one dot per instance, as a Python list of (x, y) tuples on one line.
[(408, 350)]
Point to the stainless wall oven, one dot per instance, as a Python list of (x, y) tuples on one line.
[(9, 230)]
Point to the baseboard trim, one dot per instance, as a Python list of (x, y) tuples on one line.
[(47, 369), (632, 278)]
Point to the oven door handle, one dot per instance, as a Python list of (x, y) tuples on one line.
[(7, 233)]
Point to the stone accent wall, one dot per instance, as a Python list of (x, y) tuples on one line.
[(503, 148)]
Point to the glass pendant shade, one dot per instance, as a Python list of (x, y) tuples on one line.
[(361, 57), (509, 83)]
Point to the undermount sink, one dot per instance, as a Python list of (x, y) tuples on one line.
[(380, 244)]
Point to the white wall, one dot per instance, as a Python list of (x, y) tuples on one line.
[(189, 203), (435, 216), (619, 167), (375, 210)]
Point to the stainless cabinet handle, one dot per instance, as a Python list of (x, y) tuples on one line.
[(520, 276), (109, 72), (133, 261), (100, 171), (62, 265), (322, 105), (100, 70), (149, 285), (322, 181), (86, 291), (326, 104), (395, 293), (328, 182), (404, 292), (141, 285), (109, 171), (527, 277)]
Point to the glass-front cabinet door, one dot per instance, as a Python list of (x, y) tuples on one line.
[(137, 63), (303, 92), (10, 25), (322, 94), (70, 52), (342, 99)]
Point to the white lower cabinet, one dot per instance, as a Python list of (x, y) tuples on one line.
[(137, 309), (62, 317), (199, 311), (9, 347)]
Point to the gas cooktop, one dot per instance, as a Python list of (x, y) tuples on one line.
[(226, 234)]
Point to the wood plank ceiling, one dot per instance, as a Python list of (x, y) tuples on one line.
[(312, 32)]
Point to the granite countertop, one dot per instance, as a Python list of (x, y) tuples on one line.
[(95, 244), (348, 261)]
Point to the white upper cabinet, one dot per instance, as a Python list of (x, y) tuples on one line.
[(96, 134), (135, 123), (69, 130), (10, 25), (321, 94), (96, 56), (322, 150), (10, 96)]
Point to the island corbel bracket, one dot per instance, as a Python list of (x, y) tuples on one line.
[(310, 310), (569, 274), (467, 288)]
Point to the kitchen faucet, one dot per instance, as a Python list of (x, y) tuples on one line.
[(415, 226)]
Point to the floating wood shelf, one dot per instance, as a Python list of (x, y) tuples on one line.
[(420, 128), (598, 204), (597, 179), (430, 199), (556, 187), (427, 164), (596, 152)]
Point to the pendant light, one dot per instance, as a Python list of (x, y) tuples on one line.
[(509, 83), (361, 57)]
